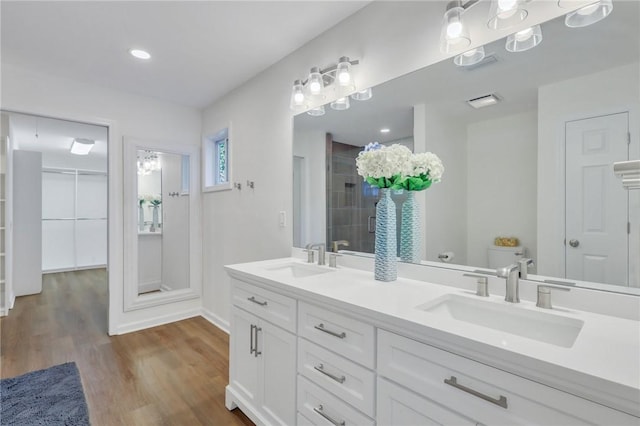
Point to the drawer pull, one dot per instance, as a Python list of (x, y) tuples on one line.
[(251, 347), (253, 299), (320, 368), (502, 401), (318, 410), (333, 333)]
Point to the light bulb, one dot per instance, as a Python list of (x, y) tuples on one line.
[(315, 81), (315, 87), (507, 8), (298, 98), (454, 29)]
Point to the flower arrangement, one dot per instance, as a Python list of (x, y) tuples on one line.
[(153, 200), (396, 167)]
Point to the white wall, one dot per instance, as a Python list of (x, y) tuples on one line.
[(501, 183), (311, 146), (446, 201), (30, 91), (390, 39), (611, 91)]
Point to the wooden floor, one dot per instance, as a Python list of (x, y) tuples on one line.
[(169, 375)]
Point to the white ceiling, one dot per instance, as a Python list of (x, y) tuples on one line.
[(200, 50), (48, 135), (563, 54)]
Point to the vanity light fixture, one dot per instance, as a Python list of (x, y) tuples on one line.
[(524, 40), (454, 34), (587, 15), (140, 54), (484, 101), (470, 57), (336, 78), (81, 146), (506, 13)]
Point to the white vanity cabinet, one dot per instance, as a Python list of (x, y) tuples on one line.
[(483, 394), (336, 381), (262, 373)]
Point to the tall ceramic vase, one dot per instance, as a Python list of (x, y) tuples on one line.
[(155, 217), (386, 243), (410, 230), (140, 218)]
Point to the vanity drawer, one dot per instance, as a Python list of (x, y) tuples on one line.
[(322, 408), (347, 336), (475, 390), (347, 380), (273, 307)]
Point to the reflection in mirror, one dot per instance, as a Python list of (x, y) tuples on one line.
[(163, 217), (536, 167)]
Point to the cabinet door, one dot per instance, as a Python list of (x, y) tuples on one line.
[(243, 368), (277, 354), (400, 407)]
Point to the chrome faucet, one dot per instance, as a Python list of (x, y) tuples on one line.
[(511, 273), (525, 264), (321, 251), (336, 245)]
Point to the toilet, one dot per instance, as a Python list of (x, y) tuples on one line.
[(504, 256)]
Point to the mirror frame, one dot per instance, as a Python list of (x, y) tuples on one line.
[(133, 300)]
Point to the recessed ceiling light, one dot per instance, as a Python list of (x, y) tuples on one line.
[(385, 130), (81, 146), (140, 54), (484, 101)]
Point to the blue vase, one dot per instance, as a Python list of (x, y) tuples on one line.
[(410, 242), (386, 243)]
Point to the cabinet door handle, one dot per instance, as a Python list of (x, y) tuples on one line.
[(257, 302), (251, 347), (256, 352), (320, 327), (320, 411), (320, 368), (502, 401)]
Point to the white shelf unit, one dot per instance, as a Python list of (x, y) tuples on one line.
[(74, 219)]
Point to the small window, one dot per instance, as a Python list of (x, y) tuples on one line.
[(217, 175)]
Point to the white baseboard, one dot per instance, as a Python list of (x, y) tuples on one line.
[(159, 320), (215, 320)]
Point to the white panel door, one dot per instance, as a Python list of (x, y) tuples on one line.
[(597, 206)]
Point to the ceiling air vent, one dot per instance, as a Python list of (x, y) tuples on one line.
[(484, 101)]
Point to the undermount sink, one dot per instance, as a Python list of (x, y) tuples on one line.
[(509, 318), (299, 270)]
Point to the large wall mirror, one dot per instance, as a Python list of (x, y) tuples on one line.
[(162, 259), (536, 166)]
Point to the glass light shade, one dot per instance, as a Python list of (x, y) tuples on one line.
[(315, 83), (454, 35), (340, 104), (589, 14), (298, 99), (470, 57), (316, 112), (506, 13), (362, 95), (343, 72), (524, 40)]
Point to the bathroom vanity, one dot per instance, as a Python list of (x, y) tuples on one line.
[(314, 345)]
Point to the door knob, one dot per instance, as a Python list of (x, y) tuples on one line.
[(574, 243)]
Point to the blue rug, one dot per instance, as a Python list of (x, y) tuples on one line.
[(53, 396)]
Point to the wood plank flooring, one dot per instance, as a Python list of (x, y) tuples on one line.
[(169, 375)]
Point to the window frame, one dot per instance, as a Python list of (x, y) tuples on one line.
[(210, 163)]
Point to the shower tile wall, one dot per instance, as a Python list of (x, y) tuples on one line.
[(349, 207)]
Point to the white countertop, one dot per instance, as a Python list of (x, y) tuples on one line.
[(602, 365)]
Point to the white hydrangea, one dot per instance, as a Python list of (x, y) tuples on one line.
[(426, 163), (383, 161)]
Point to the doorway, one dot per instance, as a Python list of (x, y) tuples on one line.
[(59, 204), (598, 216)]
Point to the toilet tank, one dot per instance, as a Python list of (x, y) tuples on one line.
[(504, 256)]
